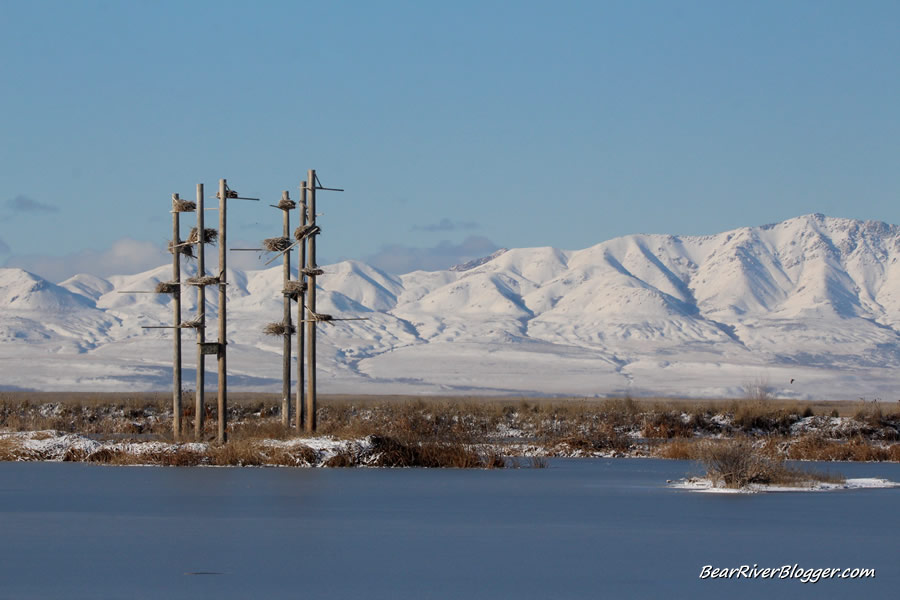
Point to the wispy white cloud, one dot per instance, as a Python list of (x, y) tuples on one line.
[(397, 258), (125, 256)]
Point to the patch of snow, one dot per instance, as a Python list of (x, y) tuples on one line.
[(702, 484)]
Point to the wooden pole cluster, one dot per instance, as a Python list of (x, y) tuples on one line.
[(303, 291), (199, 238)]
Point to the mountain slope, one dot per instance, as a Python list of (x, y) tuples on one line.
[(812, 299)]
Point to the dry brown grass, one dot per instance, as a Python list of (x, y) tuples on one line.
[(816, 447), (678, 449), (251, 453), (440, 425), (10, 449), (666, 425), (391, 452)]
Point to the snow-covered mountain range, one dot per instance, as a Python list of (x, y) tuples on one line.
[(813, 299)]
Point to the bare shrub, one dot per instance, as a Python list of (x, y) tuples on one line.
[(759, 391), (737, 463)]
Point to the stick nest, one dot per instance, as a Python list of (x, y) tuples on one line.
[(182, 249), (279, 329), (167, 287), (294, 288), (209, 236), (208, 280), (192, 324), (322, 317), (287, 204), (312, 272), (278, 244), (305, 231), (183, 206)]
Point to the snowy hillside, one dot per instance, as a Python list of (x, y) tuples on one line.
[(813, 299)]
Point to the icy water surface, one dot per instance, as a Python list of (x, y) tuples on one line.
[(578, 529)]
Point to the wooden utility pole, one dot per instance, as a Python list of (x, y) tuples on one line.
[(199, 403), (311, 308), (300, 409), (285, 206), (176, 295), (222, 384)]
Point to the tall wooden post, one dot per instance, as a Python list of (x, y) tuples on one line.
[(176, 295), (222, 388), (199, 404), (286, 357), (299, 408), (311, 310)]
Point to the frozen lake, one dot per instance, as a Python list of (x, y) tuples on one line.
[(583, 528)]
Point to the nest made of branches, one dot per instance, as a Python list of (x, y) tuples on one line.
[(287, 204), (312, 272), (294, 287), (167, 287), (322, 317), (208, 280), (183, 249), (192, 324), (210, 236), (184, 206), (305, 231), (278, 244), (279, 329)]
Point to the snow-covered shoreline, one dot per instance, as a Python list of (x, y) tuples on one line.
[(706, 485)]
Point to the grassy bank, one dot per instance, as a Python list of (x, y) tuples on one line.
[(459, 432)]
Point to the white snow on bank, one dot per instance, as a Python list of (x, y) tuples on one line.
[(702, 484), (55, 446)]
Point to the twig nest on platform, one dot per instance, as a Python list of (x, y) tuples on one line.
[(312, 272), (192, 324), (306, 231), (183, 249), (277, 244), (209, 236), (287, 204), (167, 287), (294, 288), (279, 329), (184, 206), (208, 280)]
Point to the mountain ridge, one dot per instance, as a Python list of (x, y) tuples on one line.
[(814, 296)]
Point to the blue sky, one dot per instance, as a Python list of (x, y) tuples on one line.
[(454, 127)]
